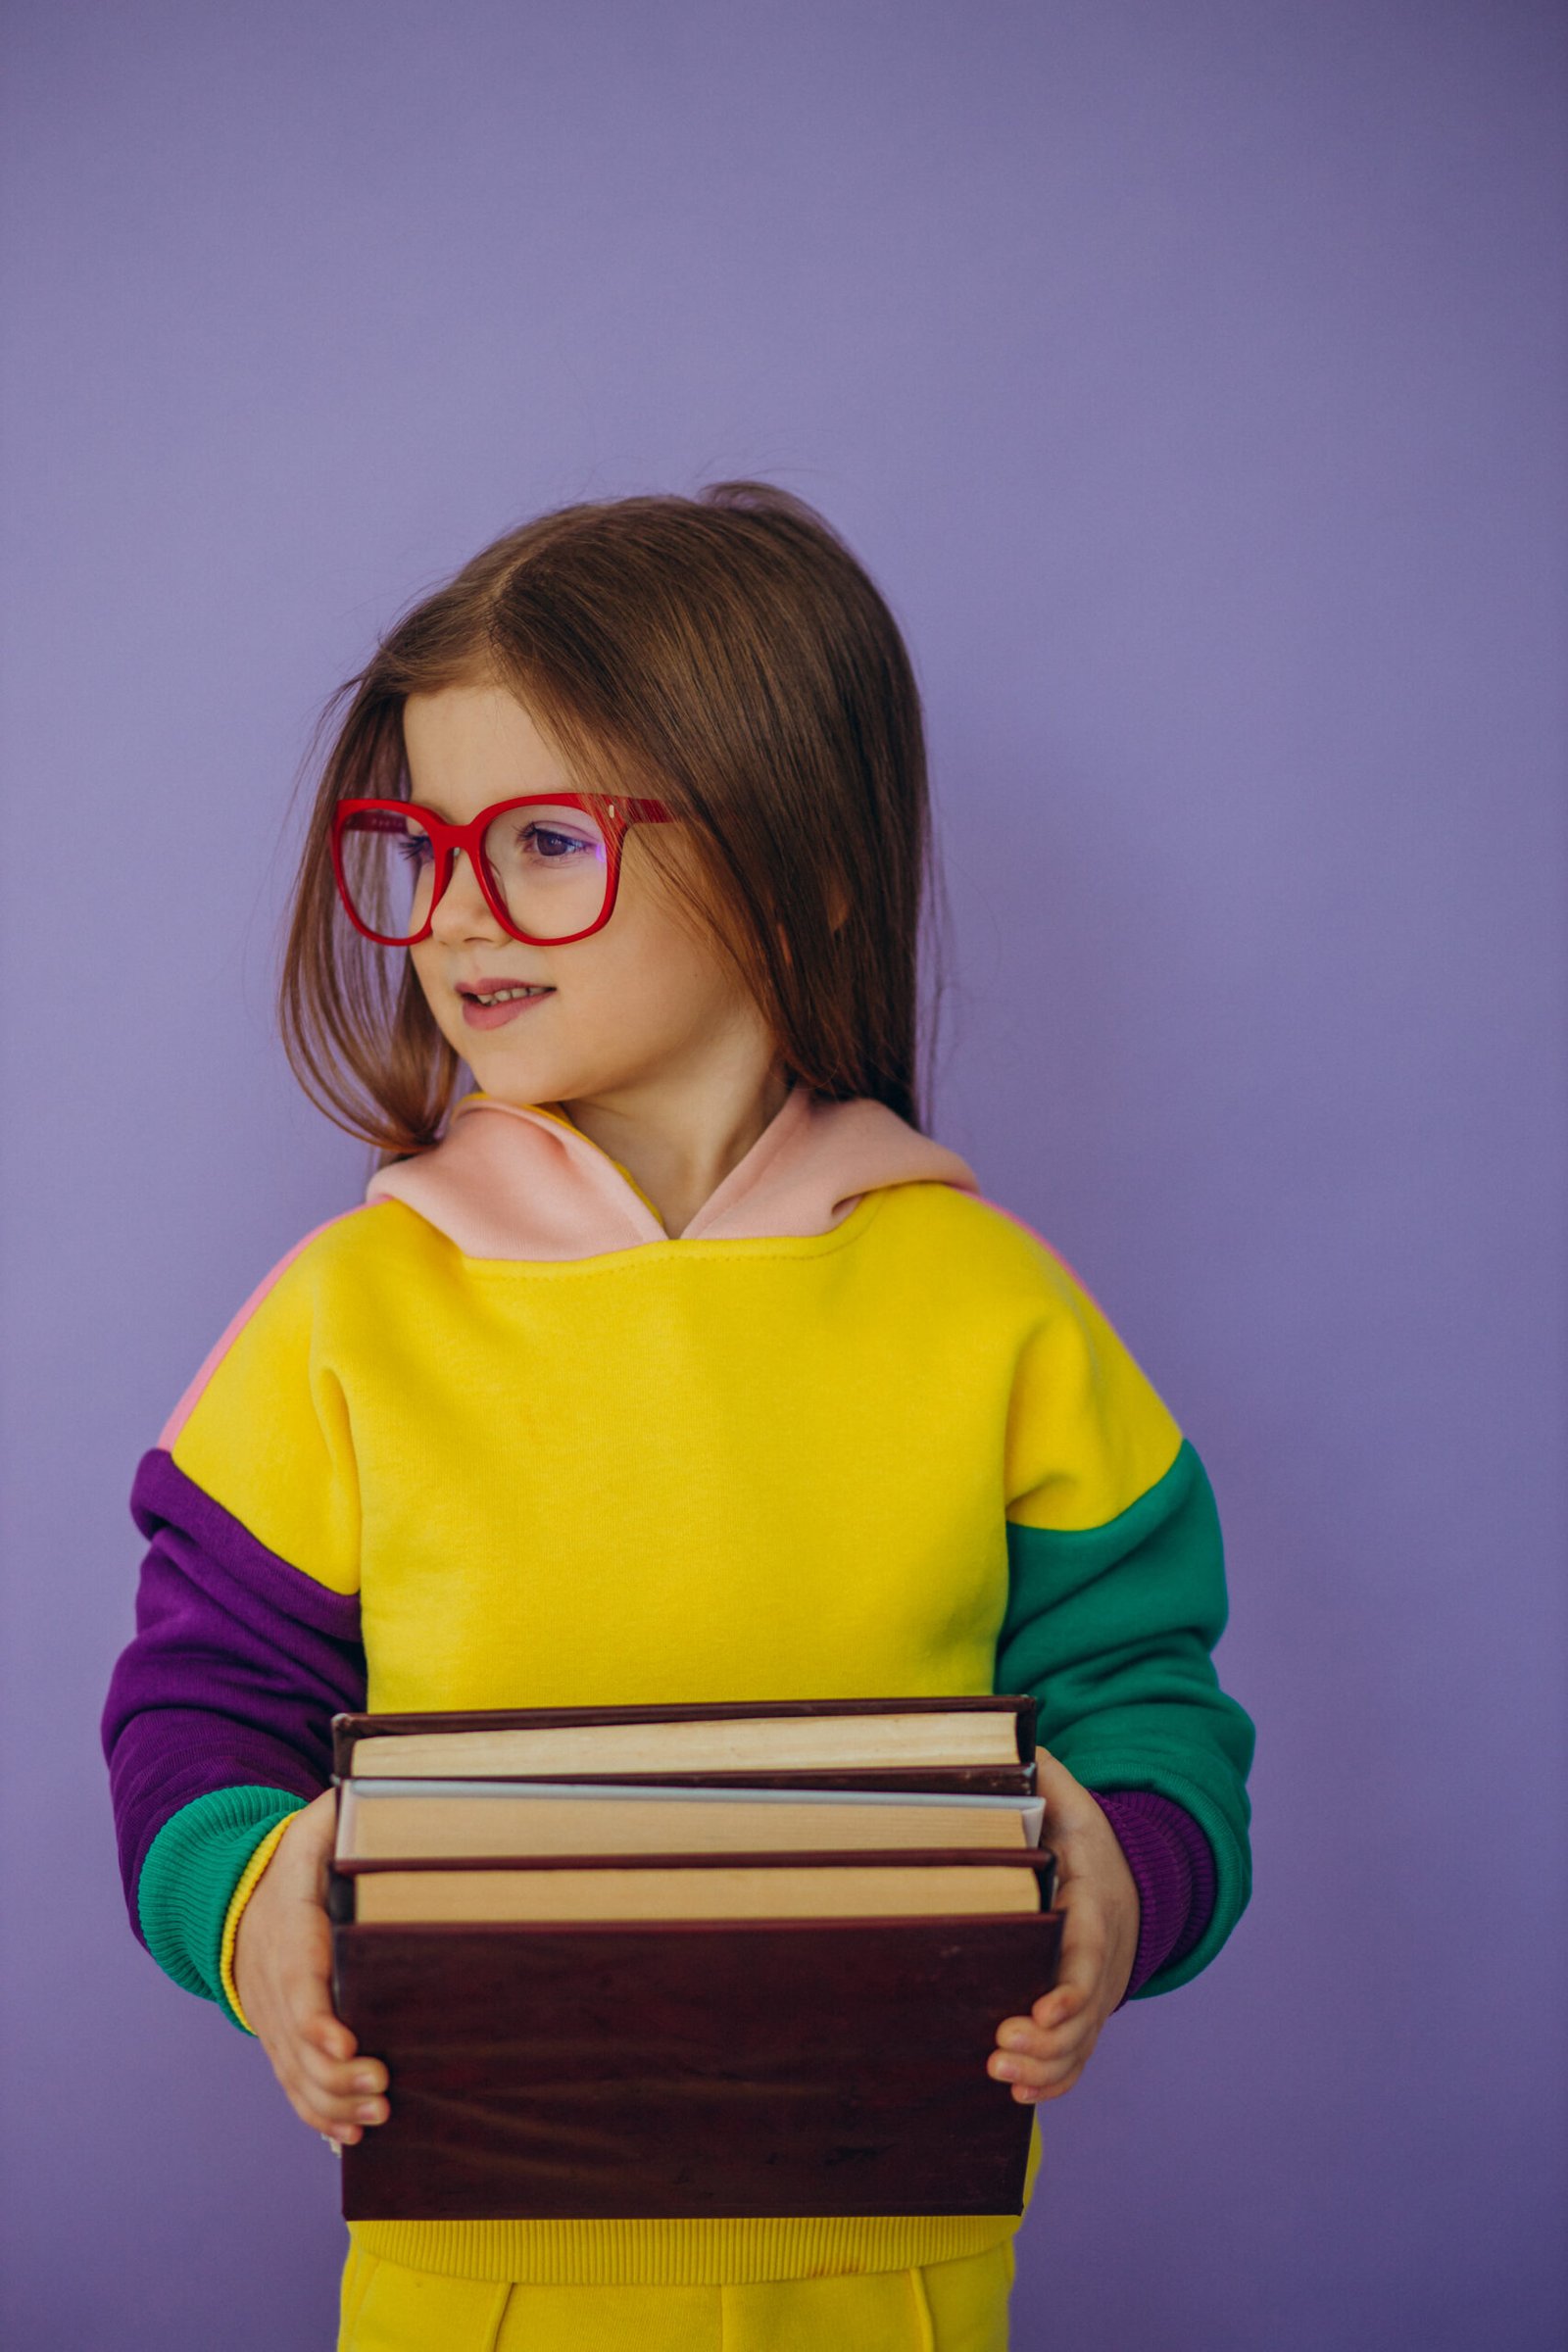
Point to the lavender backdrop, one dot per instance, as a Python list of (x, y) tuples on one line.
[(1192, 377)]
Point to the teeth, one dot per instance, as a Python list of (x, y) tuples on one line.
[(505, 995)]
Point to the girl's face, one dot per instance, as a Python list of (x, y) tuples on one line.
[(641, 1004)]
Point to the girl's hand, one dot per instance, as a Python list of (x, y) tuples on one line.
[(1043, 2053), (282, 1973)]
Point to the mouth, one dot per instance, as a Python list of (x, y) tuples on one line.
[(488, 1003)]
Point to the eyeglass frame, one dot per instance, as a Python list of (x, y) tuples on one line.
[(616, 817)]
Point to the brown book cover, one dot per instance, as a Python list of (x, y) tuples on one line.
[(676, 2069), (977, 1780)]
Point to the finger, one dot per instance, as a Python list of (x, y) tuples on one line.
[(327, 2035), (1063, 2006), (1016, 2033), (1035, 2065), (1045, 2078), (355, 2108), (1084, 1941), (1078, 1974), (339, 2107), (1026, 2096), (1028, 2038), (327, 2111), (337, 2077), (341, 2135), (346, 2135), (1042, 2066), (1043, 2041), (312, 2017), (334, 2080), (356, 2072)]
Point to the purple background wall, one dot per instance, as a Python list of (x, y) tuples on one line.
[(1192, 377)]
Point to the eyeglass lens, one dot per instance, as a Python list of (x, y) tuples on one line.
[(548, 867)]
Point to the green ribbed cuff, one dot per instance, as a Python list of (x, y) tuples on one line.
[(188, 1880)]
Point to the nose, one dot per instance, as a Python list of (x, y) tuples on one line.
[(462, 911)]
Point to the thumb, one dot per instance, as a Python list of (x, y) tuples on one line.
[(1068, 1801)]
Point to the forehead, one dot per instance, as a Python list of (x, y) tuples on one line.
[(468, 745)]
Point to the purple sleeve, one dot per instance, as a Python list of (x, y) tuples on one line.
[(239, 1664), (1173, 1869)]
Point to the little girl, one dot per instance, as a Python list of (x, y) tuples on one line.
[(672, 1361)]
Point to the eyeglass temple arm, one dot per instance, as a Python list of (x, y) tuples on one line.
[(642, 812)]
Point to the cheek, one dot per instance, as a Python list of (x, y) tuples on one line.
[(446, 1018), (662, 982)]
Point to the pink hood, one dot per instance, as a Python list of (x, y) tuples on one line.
[(506, 1182)]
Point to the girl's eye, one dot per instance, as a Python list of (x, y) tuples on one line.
[(545, 842), (414, 848)]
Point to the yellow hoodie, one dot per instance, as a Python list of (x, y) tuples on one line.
[(494, 1439)]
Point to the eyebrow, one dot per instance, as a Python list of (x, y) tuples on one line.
[(555, 799)]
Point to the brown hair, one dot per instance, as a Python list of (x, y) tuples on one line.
[(725, 653)]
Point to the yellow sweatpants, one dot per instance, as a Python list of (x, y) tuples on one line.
[(945, 2307)]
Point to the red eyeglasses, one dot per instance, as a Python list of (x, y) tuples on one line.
[(548, 862)]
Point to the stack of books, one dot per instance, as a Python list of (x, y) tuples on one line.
[(671, 1962)]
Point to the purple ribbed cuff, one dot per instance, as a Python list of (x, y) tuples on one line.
[(1173, 1869)]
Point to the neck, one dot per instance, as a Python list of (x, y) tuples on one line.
[(678, 1145)]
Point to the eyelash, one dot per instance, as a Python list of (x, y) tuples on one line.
[(414, 848), (539, 833)]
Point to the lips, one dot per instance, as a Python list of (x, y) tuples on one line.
[(495, 984), (503, 1007)]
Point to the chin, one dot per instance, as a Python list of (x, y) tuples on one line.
[(520, 1077)]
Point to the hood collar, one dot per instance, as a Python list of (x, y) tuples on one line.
[(510, 1182)]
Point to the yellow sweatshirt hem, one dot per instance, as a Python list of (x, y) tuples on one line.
[(688, 2253)]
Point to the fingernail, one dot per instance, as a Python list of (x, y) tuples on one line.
[(369, 2114), (1007, 2069)]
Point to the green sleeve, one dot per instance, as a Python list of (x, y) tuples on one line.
[(189, 1878), (1111, 1628)]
